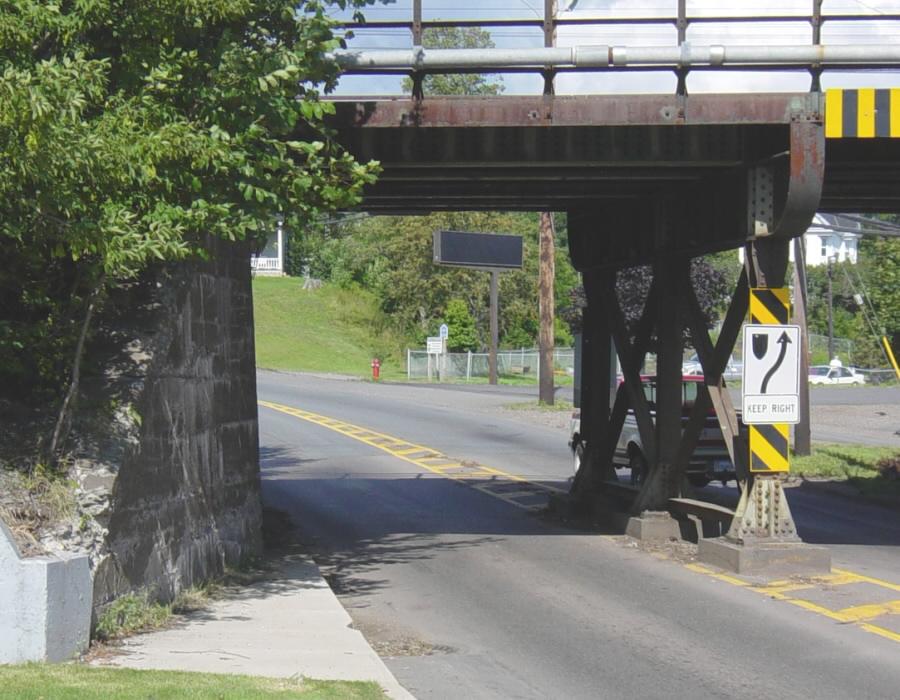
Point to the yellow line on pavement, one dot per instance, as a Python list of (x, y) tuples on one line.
[(403, 449), (864, 613), (858, 615), (861, 578), (875, 629)]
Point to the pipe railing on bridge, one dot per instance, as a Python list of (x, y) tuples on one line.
[(682, 57)]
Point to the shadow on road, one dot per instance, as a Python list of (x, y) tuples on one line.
[(829, 513)]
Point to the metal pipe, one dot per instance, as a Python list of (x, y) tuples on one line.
[(601, 56)]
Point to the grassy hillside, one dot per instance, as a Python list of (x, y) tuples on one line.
[(322, 330)]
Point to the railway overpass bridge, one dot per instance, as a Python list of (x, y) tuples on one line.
[(646, 179)]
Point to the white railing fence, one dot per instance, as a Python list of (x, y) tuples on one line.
[(468, 366), (265, 263)]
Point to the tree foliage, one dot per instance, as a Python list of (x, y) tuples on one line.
[(880, 262), (130, 131), (457, 83), (392, 256), (710, 282), (462, 335)]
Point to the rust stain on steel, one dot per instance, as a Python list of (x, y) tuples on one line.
[(577, 110), (807, 176)]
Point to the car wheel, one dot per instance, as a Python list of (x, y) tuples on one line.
[(638, 465), (578, 453)]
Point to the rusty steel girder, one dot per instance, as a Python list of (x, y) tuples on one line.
[(575, 110)]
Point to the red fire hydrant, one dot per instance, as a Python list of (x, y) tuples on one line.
[(376, 368)]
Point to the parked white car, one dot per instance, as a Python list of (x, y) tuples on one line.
[(824, 374), (733, 370)]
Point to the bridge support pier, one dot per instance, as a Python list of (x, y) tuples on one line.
[(763, 538)]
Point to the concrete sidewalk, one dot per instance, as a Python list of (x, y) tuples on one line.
[(290, 625)]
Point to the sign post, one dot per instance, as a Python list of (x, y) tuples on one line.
[(434, 346), (492, 252)]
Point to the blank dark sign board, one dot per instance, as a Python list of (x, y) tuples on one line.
[(479, 250)]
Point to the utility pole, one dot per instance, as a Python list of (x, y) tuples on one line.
[(547, 270), (546, 307), (830, 272), (492, 350), (802, 438)]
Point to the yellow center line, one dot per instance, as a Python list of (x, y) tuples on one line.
[(403, 449)]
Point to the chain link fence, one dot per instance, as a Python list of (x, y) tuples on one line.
[(522, 364)]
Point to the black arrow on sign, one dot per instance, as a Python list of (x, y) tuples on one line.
[(783, 342)]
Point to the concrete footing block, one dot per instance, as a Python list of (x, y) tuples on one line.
[(45, 605), (653, 526), (765, 558)]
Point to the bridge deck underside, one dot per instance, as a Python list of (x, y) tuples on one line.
[(558, 153)]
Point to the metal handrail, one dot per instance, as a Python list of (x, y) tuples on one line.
[(681, 58)]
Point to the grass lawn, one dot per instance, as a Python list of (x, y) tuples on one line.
[(331, 329), (79, 682), (854, 463), (320, 330)]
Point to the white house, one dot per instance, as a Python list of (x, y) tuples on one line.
[(829, 236), (270, 260)]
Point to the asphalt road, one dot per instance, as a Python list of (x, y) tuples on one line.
[(466, 595)]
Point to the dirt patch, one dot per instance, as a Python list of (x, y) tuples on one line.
[(388, 640), (676, 550)]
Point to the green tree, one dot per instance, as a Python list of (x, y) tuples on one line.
[(392, 256), (459, 83), (461, 327), (880, 269), (129, 132)]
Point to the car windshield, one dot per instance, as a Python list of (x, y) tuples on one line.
[(818, 371)]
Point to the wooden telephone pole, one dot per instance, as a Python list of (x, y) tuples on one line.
[(546, 305)]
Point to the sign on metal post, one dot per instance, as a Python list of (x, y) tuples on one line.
[(770, 395), (771, 391), (444, 331), (478, 250), (434, 345)]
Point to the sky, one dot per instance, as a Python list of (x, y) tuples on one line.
[(771, 33)]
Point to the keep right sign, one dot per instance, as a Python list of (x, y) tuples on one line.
[(771, 380)]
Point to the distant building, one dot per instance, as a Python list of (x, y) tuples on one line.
[(270, 260), (829, 236)]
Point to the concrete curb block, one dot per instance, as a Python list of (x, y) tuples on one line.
[(45, 605)]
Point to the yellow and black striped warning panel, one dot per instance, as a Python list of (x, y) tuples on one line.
[(862, 113), (770, 305), (769, 448)]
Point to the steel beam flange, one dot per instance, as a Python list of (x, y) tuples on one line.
[(806, 176)]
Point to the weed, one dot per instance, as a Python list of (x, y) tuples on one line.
[(129, 614)]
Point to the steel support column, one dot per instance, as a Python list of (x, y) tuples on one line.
[(665, 474), (763, 514), (597, 375)]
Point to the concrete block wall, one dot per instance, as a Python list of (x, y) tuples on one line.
[(45, 605)]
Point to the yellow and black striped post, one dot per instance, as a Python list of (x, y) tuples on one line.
[(770, 305), (862, 113), (769, 448), (769, 443)]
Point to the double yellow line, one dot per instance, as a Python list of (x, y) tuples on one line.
[(507, 487)]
